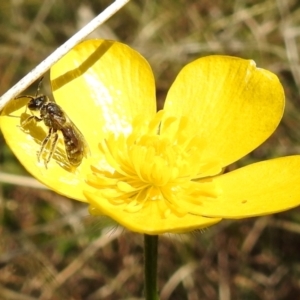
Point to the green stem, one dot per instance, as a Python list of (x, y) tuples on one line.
[(150, 244)]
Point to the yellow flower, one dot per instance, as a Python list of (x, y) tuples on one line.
[(161, 172)]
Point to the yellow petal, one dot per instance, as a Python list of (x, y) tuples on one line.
[(148, 220), (258, 189), (231, 104), (101, 85), (26, 143)]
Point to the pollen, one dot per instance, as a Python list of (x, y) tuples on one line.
[(157, 161)]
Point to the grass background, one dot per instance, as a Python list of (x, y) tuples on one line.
[(51, 249)]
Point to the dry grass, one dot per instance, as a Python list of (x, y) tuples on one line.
[(51, 249)]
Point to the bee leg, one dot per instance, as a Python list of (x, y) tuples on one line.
[(29, 119), (44, 143), (53, 147)]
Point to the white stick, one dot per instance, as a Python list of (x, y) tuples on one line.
[(45, 65)]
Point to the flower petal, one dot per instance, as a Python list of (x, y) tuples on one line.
[(231, 104), (258, 189), (26, 143), (149, 219), (102, 86)]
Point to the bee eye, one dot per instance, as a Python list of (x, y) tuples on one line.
[(32, 105), (36, 103)]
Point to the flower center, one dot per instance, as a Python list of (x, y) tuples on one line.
[(158, 161)]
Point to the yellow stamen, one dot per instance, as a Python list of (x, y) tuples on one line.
[(155, 163)]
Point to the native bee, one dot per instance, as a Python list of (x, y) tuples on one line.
[(56, 120)]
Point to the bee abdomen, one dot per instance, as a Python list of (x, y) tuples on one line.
[(73, 146)]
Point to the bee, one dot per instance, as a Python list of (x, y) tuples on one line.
[(56, 120)]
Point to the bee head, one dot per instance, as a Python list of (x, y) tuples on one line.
[(37, 102)]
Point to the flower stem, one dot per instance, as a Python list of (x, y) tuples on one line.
[(150, 244)]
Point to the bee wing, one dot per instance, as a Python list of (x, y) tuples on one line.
[(86, 149), (68, 124)]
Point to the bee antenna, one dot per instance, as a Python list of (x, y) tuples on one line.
[(39, 86)]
